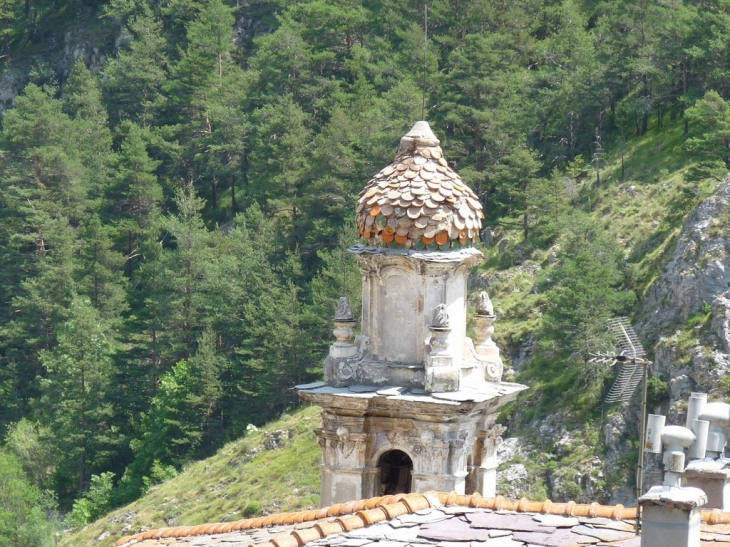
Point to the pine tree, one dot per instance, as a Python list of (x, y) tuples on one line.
[(134, 79), (585, 290), (280, 160), (709, 121), (101, 278), (83, 103), (73, 402), (45, 162), (136, 195)]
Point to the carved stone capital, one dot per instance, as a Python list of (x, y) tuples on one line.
[(492, 437)]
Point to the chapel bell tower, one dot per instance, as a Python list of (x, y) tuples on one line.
[(410, 404)]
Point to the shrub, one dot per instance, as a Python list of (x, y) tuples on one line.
[(95, 503)]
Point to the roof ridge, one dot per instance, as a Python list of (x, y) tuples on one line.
[(358, 514)]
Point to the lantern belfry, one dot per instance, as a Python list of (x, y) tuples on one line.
[(410, 404)]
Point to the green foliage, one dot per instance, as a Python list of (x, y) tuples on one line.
[(252, 508), (159, 474), (173, 227), (709, 119), (95, 503), (583, 292), (657, 391), (23, 508), (33, 445), (73, 403), (236, 477)]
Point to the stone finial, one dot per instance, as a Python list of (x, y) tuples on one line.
[(484, 304), (344, 321), (440, 317), (343, 312), (485, 347)]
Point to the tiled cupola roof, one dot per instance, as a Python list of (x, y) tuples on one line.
[(418, 201)]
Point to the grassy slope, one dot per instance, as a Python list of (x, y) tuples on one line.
[(225, 487), (644, 211)]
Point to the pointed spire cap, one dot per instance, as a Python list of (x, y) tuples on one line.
[(419, 135), (418, 201)]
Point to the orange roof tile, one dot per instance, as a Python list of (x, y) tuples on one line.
[(358, 514), (354, 515)]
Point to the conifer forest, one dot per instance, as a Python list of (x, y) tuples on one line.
[(178, 181)]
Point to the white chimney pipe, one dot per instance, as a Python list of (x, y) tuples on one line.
[(654, 426), (718, 414), (697, 402), (701, 429)]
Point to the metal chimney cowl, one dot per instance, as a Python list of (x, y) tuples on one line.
[(709, 470)]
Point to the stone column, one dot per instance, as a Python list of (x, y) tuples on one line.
[(487, 470), (343, 468), (337, 371)]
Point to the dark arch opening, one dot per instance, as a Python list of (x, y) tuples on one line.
[(395, 472)]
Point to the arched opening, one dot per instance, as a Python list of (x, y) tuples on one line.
[(395, 472)]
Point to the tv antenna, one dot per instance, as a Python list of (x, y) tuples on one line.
[(425, 60), (634, 368)]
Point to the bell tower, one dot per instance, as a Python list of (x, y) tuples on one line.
[(410, 404)]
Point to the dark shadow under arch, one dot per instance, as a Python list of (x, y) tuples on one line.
[(395, 468)]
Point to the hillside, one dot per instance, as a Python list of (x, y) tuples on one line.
[(554, 450), (577, 447), (177, 188), (274, 469)]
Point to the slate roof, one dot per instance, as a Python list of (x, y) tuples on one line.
[(434, 519), (418, 201), (430, 520)]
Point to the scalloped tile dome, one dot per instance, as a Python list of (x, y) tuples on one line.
[(418, 201)]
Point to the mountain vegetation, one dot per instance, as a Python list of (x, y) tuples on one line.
[(179, 179)]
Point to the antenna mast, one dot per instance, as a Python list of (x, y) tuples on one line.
[(634, 367), (425, 64)]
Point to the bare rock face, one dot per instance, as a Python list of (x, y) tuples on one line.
[(699, 270), (695, 280)]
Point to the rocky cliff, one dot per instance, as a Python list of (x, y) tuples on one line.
[(684, 321), (686, 312)]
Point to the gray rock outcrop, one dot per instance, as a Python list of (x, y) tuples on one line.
[(698, 271)]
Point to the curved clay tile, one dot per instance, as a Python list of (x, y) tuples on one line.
[(418, 201), (358, 514)]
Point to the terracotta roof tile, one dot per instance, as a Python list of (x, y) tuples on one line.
[(286, 541), (388, 516), (358, 514)]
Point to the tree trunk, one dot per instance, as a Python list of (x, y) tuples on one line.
[(82, 456), (155, 363), (129, 254), (525, 225), (233, 195)]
